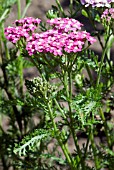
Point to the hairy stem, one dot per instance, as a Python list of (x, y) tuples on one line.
[(63, 146), (67, 76)]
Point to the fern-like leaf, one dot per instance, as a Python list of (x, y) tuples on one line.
[(30, 141)]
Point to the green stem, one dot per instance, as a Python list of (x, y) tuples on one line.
[(63, 146), (109, 45), (19, 8), (15, 113), (106, 129), (4, 15), (87, 144), (89, 73), (25, 9), (20, 59), (96, 160), (95, 27), (60, 8), (79, 158), (67, 75), (1, 58), (101, 64), (71, 7), (59, 108), (104, 48), (5, 43), (35, 64)]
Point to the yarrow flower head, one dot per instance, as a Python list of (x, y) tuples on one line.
[(108, 14), (23, 28), (65, 24), (14, 34), (97, 3), (65, 36), (29, 23)]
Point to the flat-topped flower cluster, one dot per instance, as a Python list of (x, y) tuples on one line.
[(108, 14), (23, 28), (97, 3), (64, 36)]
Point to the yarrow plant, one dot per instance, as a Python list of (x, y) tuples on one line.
[(71, 97)]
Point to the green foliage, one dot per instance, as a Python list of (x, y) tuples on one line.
[(53, 13), (86, 104), (31, 141), (5, 6), (84, 13)]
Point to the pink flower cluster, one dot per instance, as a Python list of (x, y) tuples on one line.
[(64, 37), (65, 24), (108, 14), (97, 3), (29, 23), (14, 34), (23, 28)]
